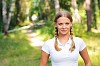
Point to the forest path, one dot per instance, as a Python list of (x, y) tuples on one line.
[(34, 39)]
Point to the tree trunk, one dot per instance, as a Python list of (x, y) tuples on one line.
[(88, 14), (76, 15), (47, 10), (94, 13), (6, 20), (57, 6), (99, 6), (5, 23), (17, 5)]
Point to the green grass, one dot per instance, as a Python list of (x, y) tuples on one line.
[(15, 50)]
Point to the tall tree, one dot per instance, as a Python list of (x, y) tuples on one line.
[(57, 6), (17, 5), (76, 15), (5, 23), (94, 14), (88, 14), (47, 9), (7, 16), (99, 6)]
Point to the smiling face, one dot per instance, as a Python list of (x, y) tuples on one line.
[(63, 25)]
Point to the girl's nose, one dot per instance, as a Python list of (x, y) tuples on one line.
[(64, 26)]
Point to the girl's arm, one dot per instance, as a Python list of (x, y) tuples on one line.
[(44, 58), (84, 54)]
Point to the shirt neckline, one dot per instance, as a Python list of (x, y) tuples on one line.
[(68, 42)]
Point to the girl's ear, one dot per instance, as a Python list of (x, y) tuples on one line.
[(71, 25)]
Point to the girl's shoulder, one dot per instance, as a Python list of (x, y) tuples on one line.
[(79, 42), (49, 41), (77, 39)]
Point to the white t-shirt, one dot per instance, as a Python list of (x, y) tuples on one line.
[(64, 57)]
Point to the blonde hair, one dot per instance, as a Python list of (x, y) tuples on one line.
[(68, 15)]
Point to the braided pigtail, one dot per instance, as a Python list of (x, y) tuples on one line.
[(56, 43), (73, 44)]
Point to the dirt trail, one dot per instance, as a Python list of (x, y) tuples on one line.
[(34, 39)]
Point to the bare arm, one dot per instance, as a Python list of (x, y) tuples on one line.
[(44, 58), (84, 54)]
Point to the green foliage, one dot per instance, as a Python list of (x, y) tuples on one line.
[(78, 29), (65, 4), (80, 4), (46, 31), (37, 7), (95, 58)]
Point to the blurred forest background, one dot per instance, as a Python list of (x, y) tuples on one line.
[(20, 18)]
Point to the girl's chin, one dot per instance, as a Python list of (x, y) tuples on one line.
[(63, 33)]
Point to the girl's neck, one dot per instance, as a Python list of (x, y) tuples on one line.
[(63, 38)]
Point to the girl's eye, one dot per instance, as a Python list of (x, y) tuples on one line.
[(60, 23)]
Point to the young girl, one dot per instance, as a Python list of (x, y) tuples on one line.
[(64, 49)]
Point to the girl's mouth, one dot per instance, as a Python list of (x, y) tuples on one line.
[(63, 30)]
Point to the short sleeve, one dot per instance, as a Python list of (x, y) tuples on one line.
[(45, 48), (82, 45)]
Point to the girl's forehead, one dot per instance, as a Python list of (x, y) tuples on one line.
[(63, 19)]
